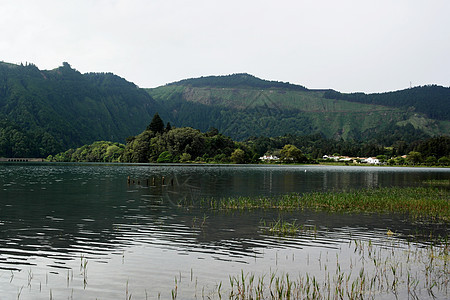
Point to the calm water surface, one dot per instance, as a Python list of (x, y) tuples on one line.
[(83, 231)]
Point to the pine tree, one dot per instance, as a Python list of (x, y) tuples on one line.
[(157, 124)]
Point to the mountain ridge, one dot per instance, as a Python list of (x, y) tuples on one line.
[(46, 111), (299, 110), (67, 108)]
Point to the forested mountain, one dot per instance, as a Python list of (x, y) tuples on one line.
[(43, 112), (432, 100), (237, 80), (243, 106), (47, 111)]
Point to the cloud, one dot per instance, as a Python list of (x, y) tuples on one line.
[(345, 45)]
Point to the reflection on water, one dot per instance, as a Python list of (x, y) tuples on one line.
[(53, 215)]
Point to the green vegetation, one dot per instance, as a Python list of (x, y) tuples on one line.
[(385, 271), (388, 269), (291, 154), (96, 152), (237, 80), (417, 202), (242, 106), (44, 112), (184, 145), (172, 145), (281, 227), (428, 152), (431, 100)]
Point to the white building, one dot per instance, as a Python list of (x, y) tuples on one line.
[(269, 158), (372, 161)]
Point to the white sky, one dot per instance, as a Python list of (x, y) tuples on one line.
[(370, 46)]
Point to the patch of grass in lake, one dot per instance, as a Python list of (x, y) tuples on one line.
[(419, 202), (281, 227)]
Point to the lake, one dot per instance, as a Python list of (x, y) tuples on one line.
[(109, 231)]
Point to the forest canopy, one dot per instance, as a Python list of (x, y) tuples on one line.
[(185, 144)]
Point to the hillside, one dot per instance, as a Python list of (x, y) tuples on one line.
[(242, 106), (43, 112)]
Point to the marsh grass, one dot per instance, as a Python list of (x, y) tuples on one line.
[(437, 182), (281, 227), (418, 202), (376, 272), (389, 268)]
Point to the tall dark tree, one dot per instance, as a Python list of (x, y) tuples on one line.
[(157, 124)]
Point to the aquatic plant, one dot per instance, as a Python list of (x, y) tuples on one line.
[(438, 182), (281, 227), (378, 272), (418, 202), (389, 268)]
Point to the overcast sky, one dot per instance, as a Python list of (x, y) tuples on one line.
[(369, 46)]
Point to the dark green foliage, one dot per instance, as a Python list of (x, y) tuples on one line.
[(238, 80), (316, 146), (15, 141), (444, 161), (165, 157), (238, 156), (291, 154), (96, 152), (436, 147), (181, 145), (44, 112), (241, 109), (138, 149), (63, 108), (432, 100), (157, 124)]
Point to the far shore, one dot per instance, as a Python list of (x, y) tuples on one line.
[(37, 159), (21, 159)]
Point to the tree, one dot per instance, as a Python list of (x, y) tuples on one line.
[(414, 157), (212, 132), (291, 154), (185, 157), (157, 124), (444, 161), (165, 157), (382, 158), (238, 156), (430, 160)]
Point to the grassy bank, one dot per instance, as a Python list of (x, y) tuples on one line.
[(419, 202)]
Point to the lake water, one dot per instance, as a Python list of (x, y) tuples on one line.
[(86, 231)]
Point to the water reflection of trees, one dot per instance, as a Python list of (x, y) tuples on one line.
[(97, 216)]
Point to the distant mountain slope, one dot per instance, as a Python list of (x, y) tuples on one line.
[(432, 100), (47, 111), (62, 108), (237, 80), (242, 105)]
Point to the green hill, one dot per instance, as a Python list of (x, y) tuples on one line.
[(44, 112), (242, 106)]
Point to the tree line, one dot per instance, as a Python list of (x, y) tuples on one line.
[(162, 143), (432, 100), (238, 80)]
